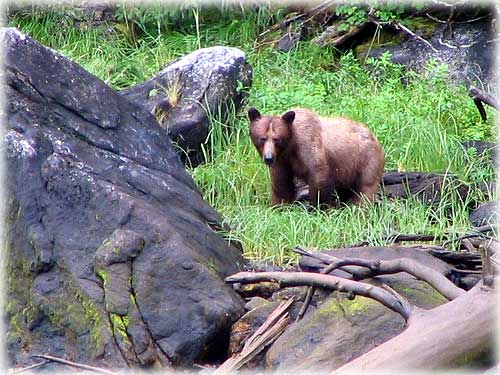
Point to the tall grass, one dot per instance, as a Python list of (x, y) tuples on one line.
[(419, 119)]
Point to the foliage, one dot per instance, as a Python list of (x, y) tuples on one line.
[(419, 119)]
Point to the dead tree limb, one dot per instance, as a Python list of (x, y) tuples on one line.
[(309, 13), (479, 97), (398, 27), (420, 271), (401, 237), (307, 302), (75, 364), (385, 267), (24, 369), (387, 299), (437, 338), (396, 238)]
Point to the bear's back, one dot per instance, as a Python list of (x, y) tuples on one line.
[(345, 145)]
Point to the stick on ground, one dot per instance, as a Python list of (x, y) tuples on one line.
[(387, 299), (75, 364)]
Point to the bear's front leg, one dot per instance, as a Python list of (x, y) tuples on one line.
[(282, 186), (320, 193)]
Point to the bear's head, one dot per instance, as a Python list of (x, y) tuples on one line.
[(270, 134)]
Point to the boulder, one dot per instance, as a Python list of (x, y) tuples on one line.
[(467, 47), (485, 213), (207, 83), (482, 149), (113, 257)]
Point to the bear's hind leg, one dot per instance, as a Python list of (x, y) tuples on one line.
[(365, 193)]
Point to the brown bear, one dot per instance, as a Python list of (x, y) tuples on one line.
[(329, 154)]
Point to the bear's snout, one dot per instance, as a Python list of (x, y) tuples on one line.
[(268, 159)]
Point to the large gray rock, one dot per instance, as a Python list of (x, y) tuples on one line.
[(468, 48), (113, 256), (485, 213), (207, 82)]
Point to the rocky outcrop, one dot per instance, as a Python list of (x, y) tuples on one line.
[(207, 83), (113, 257), (467, 47)]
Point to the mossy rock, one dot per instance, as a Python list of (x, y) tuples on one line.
[(339, 329)]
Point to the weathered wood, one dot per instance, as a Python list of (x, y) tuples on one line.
[(307, 14), (386, 267), (267, 333), (387, 299), (24, 369), (446, 336), (75, 364), (479, 97)]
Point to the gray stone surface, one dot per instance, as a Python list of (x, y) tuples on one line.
[(468, 48), (183, 95), (112, 254)]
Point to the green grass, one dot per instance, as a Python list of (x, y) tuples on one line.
[(420, 121)]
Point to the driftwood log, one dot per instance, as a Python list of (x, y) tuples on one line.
[(448, 336), (437, 338)]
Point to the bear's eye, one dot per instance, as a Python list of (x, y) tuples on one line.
[(262, 140), (278, 141)]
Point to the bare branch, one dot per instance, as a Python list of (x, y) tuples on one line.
[(410, 266), (479, 97), (385, 267), (400, 237), (75, 364), (399, 26), (307, 301), (311, 12), (24, 369), (390, 301), (395, 238)]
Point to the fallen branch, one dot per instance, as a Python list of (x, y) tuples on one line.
[(311, 12), (266, 334), (398, 27), (307, 302), (385, 267), (400, 237), (387, 299), (24, 369), (75, 364), (479, 97)]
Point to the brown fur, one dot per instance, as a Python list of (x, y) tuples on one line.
[(329, 154)]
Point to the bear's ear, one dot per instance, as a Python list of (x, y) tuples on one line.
[(288, 117), (253, 114)]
